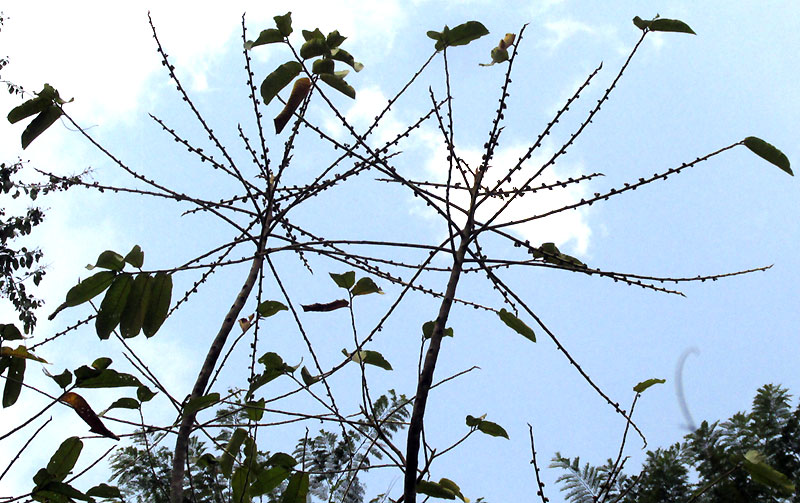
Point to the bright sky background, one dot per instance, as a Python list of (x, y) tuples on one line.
[(682, 97)]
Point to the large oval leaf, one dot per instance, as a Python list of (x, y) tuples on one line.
[(299, 92), (89, 288), (113, 304), (517, 324), (297, 489), (768, 152), (31, 107), (435, 490), (674, 25), (132, 319), (14, 378), (339, 84), (39, 124), (158, 304), (279, 79), (63, 460)]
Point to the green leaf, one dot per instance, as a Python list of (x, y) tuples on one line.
[(144, 394), (347, 58), (279, 79), (313, 48), (297, 489), (104, 491), (344, 280), (102, 363), (284, 24), (768, 152), (125, 403), (517, 324), (10, 332), (135, 257), (20, 352), (227, 458), (269, 480), (453, 487), (113, 304), (334, 39), (281, 459), (58, 492), (492, 429), (434, 490), (365, 286), (339, 84), (14, 379), (310, 35), (270, 307), (763, 473), (86, 377), (240, 482), (322, 66), (63, 379), (109, 260), (646, 384), (308, 379), (641, 23), (472, 421), (40, 124), (200, 402), (132, 318), (462, 34), (158, 303), (255, 410), (89, 288), (673, 25), (63, 460), (370, 358), (31, 107), (269, 36), (427, 330)]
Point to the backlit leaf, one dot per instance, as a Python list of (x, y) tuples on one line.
[(673, 25), (20, 352), (40, 124), (14, 379), (517, 324), (63, 460), (200, 402), (109, 260), (769, 153), (434, 490), (113, 304), (227, 458), (158, 303), (427, 330), (646, 384), (345, 280), (270, 307), (284, 24), (347, 58), (31, 107), (89, 288), (255, 410), (492, 429), (308, 379), (365, 286), (132, 318), (297, 489), (85, 412), (269, 36), (104, 491), (279, 79), (135, 257), (299, 92), (339, 84), (10, 332), (124, 403), (763, 473)]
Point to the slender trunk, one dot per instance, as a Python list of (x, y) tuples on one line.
[(185, 430)]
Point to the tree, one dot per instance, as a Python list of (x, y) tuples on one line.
[(753, 456), (264, 216)]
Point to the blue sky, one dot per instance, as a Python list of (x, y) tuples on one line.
[(682, 97)]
